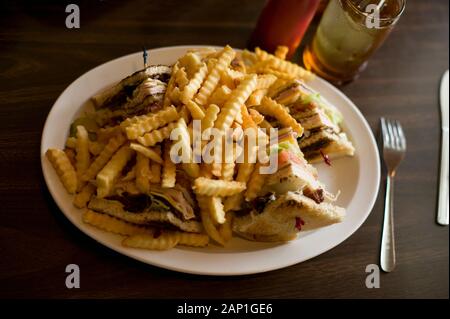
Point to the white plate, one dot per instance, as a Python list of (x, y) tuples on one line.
[(357, 178)]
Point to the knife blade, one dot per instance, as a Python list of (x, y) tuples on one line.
[(442, 216)]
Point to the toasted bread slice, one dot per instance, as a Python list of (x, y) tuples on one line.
[(283, 218)]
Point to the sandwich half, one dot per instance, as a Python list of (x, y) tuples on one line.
[(292, 199), (323, 136)]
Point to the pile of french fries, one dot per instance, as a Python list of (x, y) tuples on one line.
[(222, 88)]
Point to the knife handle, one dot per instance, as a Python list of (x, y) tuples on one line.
[(442, 216)]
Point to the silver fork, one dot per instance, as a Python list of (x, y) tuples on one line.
[(394, 148)]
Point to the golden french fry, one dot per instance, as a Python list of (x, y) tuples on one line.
[(104, 135), (216, 209), (195, 110), (226, 230), (256, 97), (101, 160), (168, 169), (63, 168), (175, 96), (265, 81), (82, 198), (148, 123), (155, 173), (213, 187), (279, 74), (281, 52), (113, 225), (291, 68), (170, 86), (156, 136), (274, 109), (207, 222), (165, 241), (256, 116), (220, 95), (265, 125), (194, 84), (273, 89), (255, 183), (82, 149), (210, 116), (142, 173), (191, 168), (181, 78), (147, 152), (213, 77), (108, 175), (71, 142), (233, 104), (191, 62), (95, 148), (192, 239)]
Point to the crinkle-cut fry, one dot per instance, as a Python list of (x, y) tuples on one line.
[(278, 111), (244, 173), (193, 239), (233, 104), (195, 110), (148, 123), (151, 153), (71, 155), (281, 52), (226, 230), (273, 89), (107, 133), (194, 84), (265, 81), (249, 57), (256, 116), (262, 55), (265, 125), (207, 222), (279, 74), (155, 173), (247, 120), (168, 177), (142, 173), (220, 95), (213, 77), (82, 198), (63, 168), (191, 63), (167, 240), (112, 225), (204, 52), (156, 136), (82, 149), (216, 211), (170, 86), (184, 113), (181, 78), (210, 116), (175, 96), (190, 167), (101, 160), (256, 97), (291, 68), (96, 148), (108, 175), (71, 142), (214, 187), (255, 183)]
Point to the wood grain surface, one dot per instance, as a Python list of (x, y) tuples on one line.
[(39, 57)]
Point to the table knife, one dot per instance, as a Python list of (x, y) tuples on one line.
[(442, 216)]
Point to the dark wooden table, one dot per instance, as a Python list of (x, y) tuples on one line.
[(39, 57)]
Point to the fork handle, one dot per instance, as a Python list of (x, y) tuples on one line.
[(442, 217), (387, 258)]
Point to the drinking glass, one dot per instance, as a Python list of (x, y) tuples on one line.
[(348, 34)]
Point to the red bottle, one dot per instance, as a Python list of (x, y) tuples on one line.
[(283, 22)]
